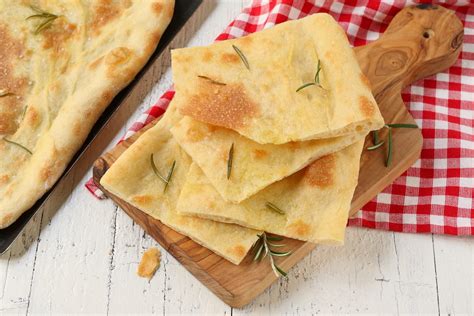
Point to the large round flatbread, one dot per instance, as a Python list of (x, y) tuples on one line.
[(56, 79)]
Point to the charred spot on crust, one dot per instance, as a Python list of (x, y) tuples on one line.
[(142, 199), (228, 107), (260, 153), (11, 50), (230, 58), (321, 172), (366, 106), (299, 228), (105, 11), (238, 250)]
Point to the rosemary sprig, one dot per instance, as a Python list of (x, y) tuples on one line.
[(242, 56), (48, 19), (230, 160), (212, 80), (274, 208), (17, 144), (378, 143), (316, 79), (170, 173), (262, 249)]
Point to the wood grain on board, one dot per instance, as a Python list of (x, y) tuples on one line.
[(420, 41)]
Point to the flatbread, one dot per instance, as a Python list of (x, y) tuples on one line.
[(261, 102), (132, 179), (56, 82), (316, 200), (254, 165)]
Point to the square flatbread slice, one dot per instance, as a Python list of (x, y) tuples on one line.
[(132, 178), (252, 84), (311, 205), (254, 165)]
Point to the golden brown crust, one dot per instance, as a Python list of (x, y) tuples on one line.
[(299, 229), (260, 153), (227, 58), (11, 86), (226, 106), (104, 12), (366, 106), (76, 97), (142, 200), (238, 250), (321, 172)]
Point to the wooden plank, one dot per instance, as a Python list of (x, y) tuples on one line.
[(406, 52), (454, 260), (17, 268), (376, 272)]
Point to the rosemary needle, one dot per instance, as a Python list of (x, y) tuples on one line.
[(397, 125), (316, 76), (230, 160), (305, 86), (274, 208), (212, 80), (388, 161), (242, 56), (17, 144), (374, 147), (170, 173), (155, 170), (375, 135)]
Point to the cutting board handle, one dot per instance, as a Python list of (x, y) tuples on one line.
[(420, 41)]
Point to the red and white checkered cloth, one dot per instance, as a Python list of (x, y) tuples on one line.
[(436, 194)]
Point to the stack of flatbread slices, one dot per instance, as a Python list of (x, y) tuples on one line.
[(264, 134)]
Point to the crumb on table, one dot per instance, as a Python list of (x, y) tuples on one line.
[(150, 263)]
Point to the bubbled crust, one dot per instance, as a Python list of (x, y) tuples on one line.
[(103, 69)]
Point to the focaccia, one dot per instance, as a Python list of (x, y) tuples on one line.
[(296, 81), (312, 204), (61, 64), (133, 179), (254, 165)]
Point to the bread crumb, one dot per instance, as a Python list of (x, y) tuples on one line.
[(150, 263)]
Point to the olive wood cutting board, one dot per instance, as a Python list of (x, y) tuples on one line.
[(420, 41)]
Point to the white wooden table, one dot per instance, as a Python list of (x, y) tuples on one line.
[(80, 254)]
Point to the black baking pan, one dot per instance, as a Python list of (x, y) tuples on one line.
[(183, 10)]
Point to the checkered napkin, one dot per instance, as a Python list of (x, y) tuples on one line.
[(436, 194)]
